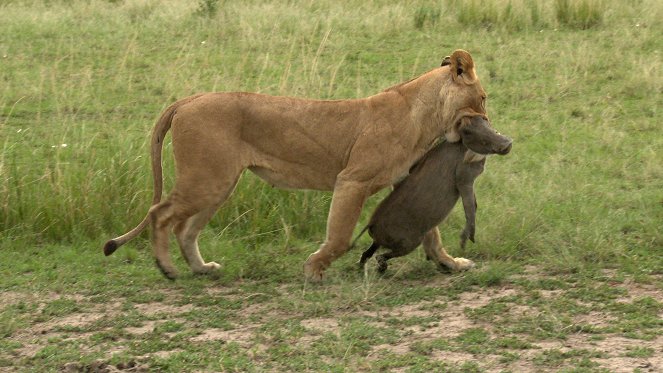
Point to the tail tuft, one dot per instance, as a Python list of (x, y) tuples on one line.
[(110, 247)]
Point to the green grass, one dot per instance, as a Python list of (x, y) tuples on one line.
[(568, 225)]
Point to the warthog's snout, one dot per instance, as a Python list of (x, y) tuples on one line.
[(478, 135), (506, 148)]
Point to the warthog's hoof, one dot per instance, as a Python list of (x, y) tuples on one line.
[(463, 264), (313, 269), (207, 268), (382, 264)]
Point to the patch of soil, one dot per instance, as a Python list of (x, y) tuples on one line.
[(150, 325), (616, 348), (421, 309), (452, 322), (163, 354), (453, 357), (42, 299), (242, 336), (13, 297), (476, 299), (36, 337), (154, 308), (400, 349), (624, 364), (548, 294), (46, 329), (594, 319), (147, 327), (104, 367), (75, 320), (637, 291), (261, 309), (322, 325), (613, 347), (449, 315), (29, 349)]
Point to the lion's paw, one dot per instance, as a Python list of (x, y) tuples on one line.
[(212, 266), (313, 270), (206, 268), (463, 264)]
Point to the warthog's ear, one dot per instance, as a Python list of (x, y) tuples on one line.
[(446, 61), (462, 66)]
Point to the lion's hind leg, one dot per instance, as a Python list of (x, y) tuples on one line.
[(206, 204), (187, 232), (162, 219), (188, 211)]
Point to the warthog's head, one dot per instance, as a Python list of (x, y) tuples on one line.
[(463, 108), (478, 135)]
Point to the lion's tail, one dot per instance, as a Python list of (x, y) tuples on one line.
[(158, 133)]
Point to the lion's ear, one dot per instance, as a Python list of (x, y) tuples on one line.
[(446, 61), (462, 66)]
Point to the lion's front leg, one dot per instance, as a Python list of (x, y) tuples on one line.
[(433, 247), (347, 202)]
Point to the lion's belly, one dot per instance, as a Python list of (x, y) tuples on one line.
[(293, 176)]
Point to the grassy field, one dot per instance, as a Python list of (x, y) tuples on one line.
[(569, 241)]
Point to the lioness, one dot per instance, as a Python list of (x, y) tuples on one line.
[(353, 147)]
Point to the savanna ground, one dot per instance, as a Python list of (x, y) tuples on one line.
[(569, 244)]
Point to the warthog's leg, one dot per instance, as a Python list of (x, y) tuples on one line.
[(368, 254), (393, 253), (382, 261), (433, 247), (347, 201)]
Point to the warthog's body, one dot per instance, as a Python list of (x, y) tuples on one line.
[(422, 201), (427, 196)]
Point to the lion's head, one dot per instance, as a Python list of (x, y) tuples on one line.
[(461, 95)]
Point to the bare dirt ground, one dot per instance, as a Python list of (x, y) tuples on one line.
[(452, 318)]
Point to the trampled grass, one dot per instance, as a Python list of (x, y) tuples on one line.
[(578, 85)]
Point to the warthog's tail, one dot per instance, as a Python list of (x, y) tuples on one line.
[(158, 133), (352, 246)]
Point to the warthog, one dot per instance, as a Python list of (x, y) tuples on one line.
[(425, 198)]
